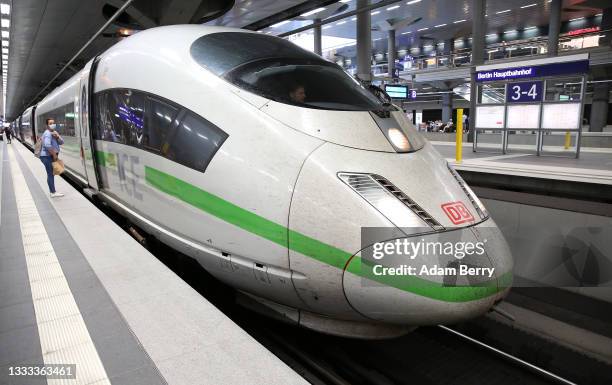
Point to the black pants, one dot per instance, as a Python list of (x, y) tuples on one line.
[(8, 137)]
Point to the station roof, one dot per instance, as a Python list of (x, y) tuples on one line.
[(44, 35)]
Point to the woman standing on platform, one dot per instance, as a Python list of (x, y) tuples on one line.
[(49, 151)]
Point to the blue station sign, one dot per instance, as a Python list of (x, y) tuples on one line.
[(553, 69), (524, 92)]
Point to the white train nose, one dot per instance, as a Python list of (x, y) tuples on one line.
[(431, 289)]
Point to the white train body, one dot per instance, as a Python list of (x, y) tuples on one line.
[(251, 186)]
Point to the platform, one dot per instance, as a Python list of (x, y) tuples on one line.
[(76, 289), (593, 165)]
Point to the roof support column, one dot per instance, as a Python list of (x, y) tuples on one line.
[(554, 27), (478, 47), (599, 107), (391, 55), (606, 24), (364, 42), (447, 107), (318, 47)]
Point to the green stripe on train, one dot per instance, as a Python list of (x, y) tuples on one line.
[(311, 247), (106, 159)]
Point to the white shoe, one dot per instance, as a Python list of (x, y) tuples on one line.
[(56, 195)]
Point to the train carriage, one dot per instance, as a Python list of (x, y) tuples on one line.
[(264, 162)]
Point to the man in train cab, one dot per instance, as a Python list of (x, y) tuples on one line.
[(49, 152), (297, 93)]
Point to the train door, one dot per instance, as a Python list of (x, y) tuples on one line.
[(21, 133), (79, 127), (87, 139), (33, 125)]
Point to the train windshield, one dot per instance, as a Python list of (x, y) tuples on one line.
[(279, 70)]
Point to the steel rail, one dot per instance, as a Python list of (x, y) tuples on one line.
[(512, 358)]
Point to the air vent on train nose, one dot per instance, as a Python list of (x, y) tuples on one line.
[(378, 191)]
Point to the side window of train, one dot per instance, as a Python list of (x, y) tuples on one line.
[(119, 116), (159, 117), (195, 142), (59, 116), (106, 127), (69, 119), (128, 107)]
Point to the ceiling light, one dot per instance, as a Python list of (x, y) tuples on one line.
[(504, 11), (5, 50), (280, 23), (529, 5), (526, 28), (353, 18), (375, 13), (313, 12), (5, 34), (578, 18), (345, 1), (5, 9), (510, 31), (423, 29), (413, 2), (406, 33), (459, 21), (5, 23), (392, 8), (599, 14), (5, 43), (491, 34), (341, 22), (439, 25)]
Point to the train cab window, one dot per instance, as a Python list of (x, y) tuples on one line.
[(159, 116), (305, 84), (279, 70), (195, 142), (211, 51)]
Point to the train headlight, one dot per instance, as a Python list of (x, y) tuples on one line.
[(389, 200), (482, 211), (398, 139)]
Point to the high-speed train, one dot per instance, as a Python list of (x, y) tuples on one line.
[(264, 163)]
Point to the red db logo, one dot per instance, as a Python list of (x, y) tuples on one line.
[(457, 212)]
